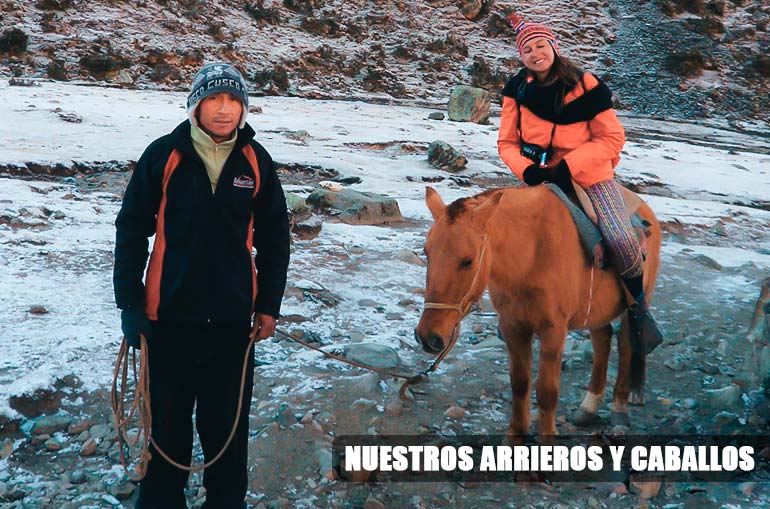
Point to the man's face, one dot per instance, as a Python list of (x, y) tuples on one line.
[(219, 115)]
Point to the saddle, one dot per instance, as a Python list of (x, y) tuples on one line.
[(586, 221)]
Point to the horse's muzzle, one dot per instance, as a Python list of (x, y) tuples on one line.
[(433, 344)]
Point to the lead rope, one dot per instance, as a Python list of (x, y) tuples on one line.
[(141, 403)]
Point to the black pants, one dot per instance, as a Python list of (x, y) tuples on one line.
[(189, 364)]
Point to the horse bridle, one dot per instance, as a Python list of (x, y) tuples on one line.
[(462, 308)]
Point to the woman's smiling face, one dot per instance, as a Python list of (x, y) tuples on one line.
[(538, 56)]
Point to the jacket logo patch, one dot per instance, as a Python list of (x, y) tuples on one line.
[(244, 181)]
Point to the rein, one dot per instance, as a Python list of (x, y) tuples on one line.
[(462, 308)]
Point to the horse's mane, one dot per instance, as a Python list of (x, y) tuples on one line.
[(458, 207)]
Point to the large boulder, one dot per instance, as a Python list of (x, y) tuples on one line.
[(468, 104), (356, 207)]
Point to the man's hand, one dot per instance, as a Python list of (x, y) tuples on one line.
[(134, 322), (264, 327)]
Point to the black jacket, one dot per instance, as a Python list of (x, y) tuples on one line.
[(201, 267)]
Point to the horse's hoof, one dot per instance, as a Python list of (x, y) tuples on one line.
[(620, 419), (583, 419), (636, 397)]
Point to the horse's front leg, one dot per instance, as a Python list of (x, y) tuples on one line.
[(552, 341), (518, 338)]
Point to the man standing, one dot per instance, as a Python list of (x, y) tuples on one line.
[(209, 193)]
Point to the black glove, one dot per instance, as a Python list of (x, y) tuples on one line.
[(133, 321), (534, 175), (560, 175)]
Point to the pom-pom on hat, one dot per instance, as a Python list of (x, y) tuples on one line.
[(525, 32)]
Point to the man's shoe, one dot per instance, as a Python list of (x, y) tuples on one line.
[(645, 334)]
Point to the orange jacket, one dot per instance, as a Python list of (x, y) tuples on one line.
[(591, 145)]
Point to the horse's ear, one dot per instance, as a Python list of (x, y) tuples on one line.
[(483, 212), (435, 203)]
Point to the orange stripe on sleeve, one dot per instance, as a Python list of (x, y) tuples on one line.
[(155, 269), (248, 151)]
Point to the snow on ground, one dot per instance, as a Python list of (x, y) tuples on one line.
[(59, 252)]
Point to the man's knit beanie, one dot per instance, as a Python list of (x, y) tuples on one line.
[(216, 78)]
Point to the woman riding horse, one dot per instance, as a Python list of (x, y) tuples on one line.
[(558, 125)]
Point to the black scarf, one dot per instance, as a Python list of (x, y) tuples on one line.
[(547, 102)]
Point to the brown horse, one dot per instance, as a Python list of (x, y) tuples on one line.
[(522, 244)]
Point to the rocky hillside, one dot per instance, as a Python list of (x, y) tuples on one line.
[(673, 58)]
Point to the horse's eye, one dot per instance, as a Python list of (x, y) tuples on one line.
[(464, 264)]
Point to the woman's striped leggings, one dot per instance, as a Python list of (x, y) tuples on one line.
[(616, 228)]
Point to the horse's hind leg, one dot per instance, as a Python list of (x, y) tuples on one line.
[(585, 415), (552, 342), (518, 338)]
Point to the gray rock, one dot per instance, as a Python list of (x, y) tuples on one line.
[(76, 428), (53, 444), (472, 8), (373, 354), (300, 135), (368, 384), (443, 156), (357, 208), (6, 448), (285, 415), (690, 404), (394, 408), (675, 363), (708, 262), (110, 500), (100, 431), (88, 448), (78, 477), (436, 115), (51, 424), (308, 229), (724, 418), (124, 78), (455, 412), (468, 104), (121, 490), (725, 397), (324, 458), (297, 207), (409, 256)]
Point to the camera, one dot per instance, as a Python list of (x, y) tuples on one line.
[(535, 153)]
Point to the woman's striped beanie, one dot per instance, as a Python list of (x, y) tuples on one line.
[(525, 32)]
